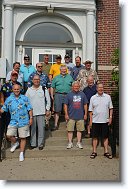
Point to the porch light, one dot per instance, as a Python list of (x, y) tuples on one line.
[(50, 9)]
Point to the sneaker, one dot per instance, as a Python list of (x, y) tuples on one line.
[(70, 145), (21, 156), (79, 145), (14, 146)]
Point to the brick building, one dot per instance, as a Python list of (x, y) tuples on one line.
[(89, 28)]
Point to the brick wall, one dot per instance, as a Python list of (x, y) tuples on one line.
[(108, 27), (108, 40), (108, 37)]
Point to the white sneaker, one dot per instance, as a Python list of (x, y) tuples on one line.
[(79, 145), (14, 146), (21, 156), (70, 145)]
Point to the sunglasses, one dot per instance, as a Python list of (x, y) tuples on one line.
[(27, 59), (39, 66)]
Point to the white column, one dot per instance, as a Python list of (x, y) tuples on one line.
[(8, 36), (90, 36), (20, 54)]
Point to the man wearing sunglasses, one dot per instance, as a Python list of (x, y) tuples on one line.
[(44, 80), (26, 69)]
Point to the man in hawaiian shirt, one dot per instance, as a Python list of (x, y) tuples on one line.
[(44, 80), (21, 118)]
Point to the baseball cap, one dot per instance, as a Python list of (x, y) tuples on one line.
[(58, 56), (26, 56), (67, 56)]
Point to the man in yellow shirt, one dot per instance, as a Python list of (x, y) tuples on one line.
[(55, 68)]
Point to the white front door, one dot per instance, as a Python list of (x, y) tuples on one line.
[(38, 53)]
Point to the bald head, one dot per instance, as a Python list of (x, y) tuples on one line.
[(16, 89), (90, 80)]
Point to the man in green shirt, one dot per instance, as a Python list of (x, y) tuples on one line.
[(61, 85)]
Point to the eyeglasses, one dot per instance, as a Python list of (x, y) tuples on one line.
[(39, 66), (27, 59)]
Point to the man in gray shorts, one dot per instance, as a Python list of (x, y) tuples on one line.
[(61, 85), (20, 110), (75, 113)]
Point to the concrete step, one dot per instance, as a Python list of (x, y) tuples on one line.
[(54, 151), (57, 133), (55, 146), (62, 141), (60, 133)]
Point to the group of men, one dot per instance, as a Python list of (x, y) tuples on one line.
[(30, 94)]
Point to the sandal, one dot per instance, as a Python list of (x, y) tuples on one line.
[(93, 155), (109, 156)]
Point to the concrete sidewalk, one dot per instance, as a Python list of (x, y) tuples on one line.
[(61, 169)]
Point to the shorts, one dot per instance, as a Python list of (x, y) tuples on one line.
[(79, 125), (58, 102), (100, 130), (22, 131)]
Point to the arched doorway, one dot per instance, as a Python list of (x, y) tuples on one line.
[(48, 35)]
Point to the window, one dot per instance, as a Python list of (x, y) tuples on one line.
[(48, 33)]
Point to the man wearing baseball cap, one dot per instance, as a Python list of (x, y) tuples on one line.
[(16, 67), (68, 63), (26, 69), (55, 68), (84, 73)]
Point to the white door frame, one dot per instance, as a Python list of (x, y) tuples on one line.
[(37, 51)]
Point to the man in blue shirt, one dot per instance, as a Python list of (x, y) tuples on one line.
[(26, 69), (75, 113), (89, 91), (21, 117), (75, 70), (6, 91), (44, 79)]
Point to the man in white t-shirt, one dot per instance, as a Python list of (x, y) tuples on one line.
[(101, 111)]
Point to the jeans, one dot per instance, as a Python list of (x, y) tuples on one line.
[(38, 124)]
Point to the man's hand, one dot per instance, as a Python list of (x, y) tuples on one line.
[(1, 111), (85, 117), (47, 112), (30, 121), (90, 124), (110, 121), (66, 117)]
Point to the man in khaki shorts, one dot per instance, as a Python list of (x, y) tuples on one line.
[(20, 110), (75, 113)]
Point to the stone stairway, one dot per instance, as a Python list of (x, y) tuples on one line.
[(55, 146)]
